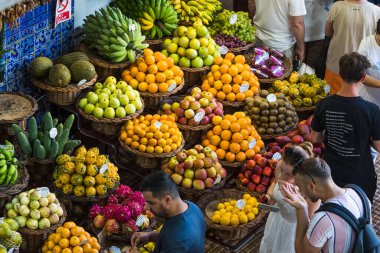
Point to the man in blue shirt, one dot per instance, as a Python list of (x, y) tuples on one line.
[(184, 227)]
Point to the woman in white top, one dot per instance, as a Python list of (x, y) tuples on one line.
[(370, 47), (280, 229)]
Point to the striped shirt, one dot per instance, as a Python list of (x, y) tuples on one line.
[(332, 233)]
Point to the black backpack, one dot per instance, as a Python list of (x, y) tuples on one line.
[(366, 241)]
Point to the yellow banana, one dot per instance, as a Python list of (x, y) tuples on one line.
[(148, 17), (185, 7), (146, 22), (177, 6), (146, 27)]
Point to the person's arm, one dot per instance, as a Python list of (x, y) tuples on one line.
[(317, 137), (251, 8), (376, 145), (371, 82), (294, 198), (312, 207), (297, 26), (143, 238), (329, 30)]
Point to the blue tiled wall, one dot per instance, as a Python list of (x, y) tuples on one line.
[(34, 36)]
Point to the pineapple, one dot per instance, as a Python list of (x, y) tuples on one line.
[(13, 241)]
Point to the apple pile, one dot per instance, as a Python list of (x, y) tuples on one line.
[(298, 136), (197, 168), (111, 99), (257, 174), (198, 108)]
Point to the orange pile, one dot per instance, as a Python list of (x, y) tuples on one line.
[(231, 79), (71, 238), (233, 138), (154, 72), (152, 134)]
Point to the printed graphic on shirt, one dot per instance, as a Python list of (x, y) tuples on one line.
[(338, 131)]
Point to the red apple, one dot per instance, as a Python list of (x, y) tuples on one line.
[(257, 170), (256, 178), (267, 171), (240, 176), (251, 187), (251, 164), (265, 181), (248, 173), (261, 188), (244, 181)]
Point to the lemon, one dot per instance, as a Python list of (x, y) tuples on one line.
[(247, 208), (225, 220), (233, 202), (243, 219), (246, 196), (215, 218), (217, 213), (251, 216), (229, 208), (234, 216), (255, 210), (227, 214), (220, 206), (234, 221), (227, 204), (222, 211), (235, 210)]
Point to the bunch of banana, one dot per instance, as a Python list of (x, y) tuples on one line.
[(8, 165), (196, 10), (156, 17), (115, 36)]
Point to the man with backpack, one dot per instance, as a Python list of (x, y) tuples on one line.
[(342, 224)]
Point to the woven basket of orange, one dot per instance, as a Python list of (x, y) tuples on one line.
[(155, 76), (150, 138), (231, 80), (233, 138)]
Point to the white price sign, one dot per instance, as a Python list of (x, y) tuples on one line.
[(83, 242), (252, 143), (132, 27), (104, 168), (276, 156), (114, 249), (172, 87), (158, 125), (43, 191), (53, 132), (244, 87), (240, 204), (233, 19), (81, 82), (217, 180), (223, 50), (327, 89), (141, 219), (271, 98), (199, 116), (11, 250)]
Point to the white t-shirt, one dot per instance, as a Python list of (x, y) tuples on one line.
[(369, 48), (273, 24), (315, 19)]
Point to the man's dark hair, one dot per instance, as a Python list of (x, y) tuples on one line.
[(160, 184), (313, 167), (378, 26), (353, 67)]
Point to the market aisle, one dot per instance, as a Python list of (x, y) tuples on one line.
[(254, 244)]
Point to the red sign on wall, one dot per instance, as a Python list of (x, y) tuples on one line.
[(62, 11)]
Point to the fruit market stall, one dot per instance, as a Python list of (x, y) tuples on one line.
[(170, 85)]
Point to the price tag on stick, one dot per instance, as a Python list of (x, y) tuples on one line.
[(53, 132), (276, 156), (132, 27), (233, 19), (158, 125), (43, 191), (271, 98), (81, 82), (252, 144), (199, 116), (104, 168), (223, 50), (114, 249), (244, 87), (327, 89), (240, 204), (172, 87)]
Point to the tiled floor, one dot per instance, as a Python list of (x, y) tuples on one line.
[(254, 244)]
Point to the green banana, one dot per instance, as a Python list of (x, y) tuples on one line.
[(3, 169), (12, 169), (6, 154), (14, 177), (2, 178)]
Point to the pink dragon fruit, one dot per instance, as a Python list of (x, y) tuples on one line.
[(136, 209), (110, 211), (95, 210), (138, 197), (123, 214), (131, 226), (112, 199), (123, 191)]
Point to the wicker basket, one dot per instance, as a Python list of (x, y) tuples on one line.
[(153, 101), (288, 67), (104, 125), (208, 204), (240, 50), (62, 95), (231, 165), (40, 170), (34, 239), (155, 45), (193, 195), (21, 183), (15, 108), (149, 161), (193, 76), (231, 107), (103, 67), (304, 112)]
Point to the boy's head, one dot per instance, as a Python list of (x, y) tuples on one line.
[(353, 67)]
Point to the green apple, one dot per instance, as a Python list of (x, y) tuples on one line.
[(127, 88), (216, 54), (89, 108), (182, 31), (120, 112), (197, 62), (113, 95), (184, 62), (166, 43), (111, 86), (195, 44), (110, 79), (107, 91), (208, 61), (124, 99), (172, 48), (211, 49), (203, 52), (184, 42), (181, 51), (202, 31), (175, 40), (114, 102), (104, 103), (98, 112), (92, 98), (204, 42), (165, 52), (109, 113), (191, 53), (137, 103), (98, 91), (121, 84), (83, 102), (130, 109), (103, 95), (137, 94), (175, 58), (191, 33), (131, 95), (98, 86)]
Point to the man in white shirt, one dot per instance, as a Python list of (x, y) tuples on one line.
[(280, 25)]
